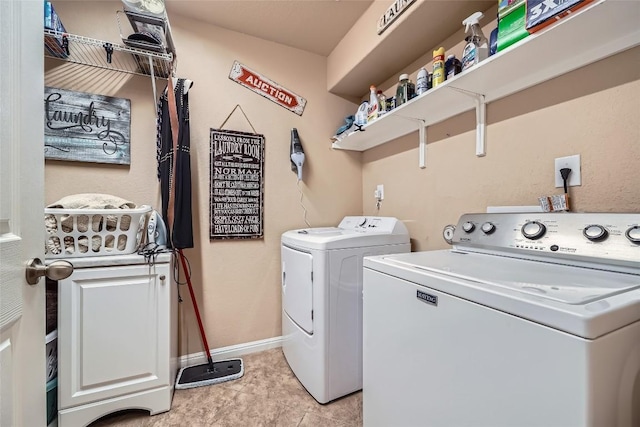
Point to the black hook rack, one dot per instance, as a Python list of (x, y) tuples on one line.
[(108, 47)]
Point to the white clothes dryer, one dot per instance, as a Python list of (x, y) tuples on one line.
[(531, 320), (322, 299)]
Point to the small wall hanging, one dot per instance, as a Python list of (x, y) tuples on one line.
[(393, 12), (237, 183), (271, 90), (86, 127)]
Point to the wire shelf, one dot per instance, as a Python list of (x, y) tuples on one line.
[(94, 53)]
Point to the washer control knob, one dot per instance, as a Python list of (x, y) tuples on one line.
[(595, 232), (488, 228), (468, 227), (447, 233), (363, 222), (533, 230), (633, 234)]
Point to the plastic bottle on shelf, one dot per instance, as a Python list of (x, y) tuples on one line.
[(374, 105), (405, 91), (452, 66), (438, 66), (493, 42), (422, 81), (477, 47), (361, 114), (382, 100)]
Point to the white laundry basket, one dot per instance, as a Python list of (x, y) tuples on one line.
[(93, 232)]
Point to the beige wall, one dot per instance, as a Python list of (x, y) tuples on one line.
[(237, 282), (592, 112)]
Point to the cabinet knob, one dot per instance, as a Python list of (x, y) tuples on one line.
[(57, 270), (162, 277)]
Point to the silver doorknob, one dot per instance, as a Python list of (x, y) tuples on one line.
[(57, 270)]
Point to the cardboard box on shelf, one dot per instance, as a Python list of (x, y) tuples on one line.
[(55, 45), (505, 7), (542, 13)]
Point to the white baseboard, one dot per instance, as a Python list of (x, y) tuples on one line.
[(231, 351)]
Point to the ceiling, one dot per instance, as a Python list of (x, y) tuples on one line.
[(318, 26), (312, 25)]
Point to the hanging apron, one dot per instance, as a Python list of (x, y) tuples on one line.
[(174, 168)]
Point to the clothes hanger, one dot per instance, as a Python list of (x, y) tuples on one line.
[(187, 84)]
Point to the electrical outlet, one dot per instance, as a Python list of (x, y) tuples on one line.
[(379, 193), (573, 163)]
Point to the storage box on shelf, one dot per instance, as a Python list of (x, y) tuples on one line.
[(56, 45), (599, 30)]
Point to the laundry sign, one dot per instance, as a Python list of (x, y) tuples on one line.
[(237, 185), (392, 13), (268, 88), (86, 127)]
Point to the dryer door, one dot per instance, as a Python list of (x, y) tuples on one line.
[(297, 287)]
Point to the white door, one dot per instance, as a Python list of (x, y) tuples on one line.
[(22, 308)]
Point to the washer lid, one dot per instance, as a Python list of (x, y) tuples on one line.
[(583, 301), (565, 284)]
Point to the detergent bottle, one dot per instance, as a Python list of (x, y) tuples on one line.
[(422, 81), (374, 105), (405, 90), (382, 99), (477, 47)]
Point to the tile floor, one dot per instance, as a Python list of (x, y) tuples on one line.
[(267, 395)]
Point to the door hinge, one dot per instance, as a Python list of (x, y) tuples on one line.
[(312, 277), (311, 314)]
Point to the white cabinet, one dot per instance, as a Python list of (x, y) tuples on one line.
[(117, 337)]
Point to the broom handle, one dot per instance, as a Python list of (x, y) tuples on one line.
[(195, 307)]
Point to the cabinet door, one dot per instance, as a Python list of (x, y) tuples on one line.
[(113, 332)]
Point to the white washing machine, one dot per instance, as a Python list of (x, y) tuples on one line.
[(530, 320), (322, 299)]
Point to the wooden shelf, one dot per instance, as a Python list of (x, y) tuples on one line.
[(598, 31)]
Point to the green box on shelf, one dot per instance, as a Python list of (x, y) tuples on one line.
[(511, 26)]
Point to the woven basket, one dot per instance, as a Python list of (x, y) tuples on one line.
[(93, 232)]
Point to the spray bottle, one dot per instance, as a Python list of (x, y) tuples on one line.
[(477, 48), (438, 67)]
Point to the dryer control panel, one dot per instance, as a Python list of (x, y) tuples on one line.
[(607, 238)]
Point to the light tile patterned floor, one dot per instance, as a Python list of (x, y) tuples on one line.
[(267, 395)]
